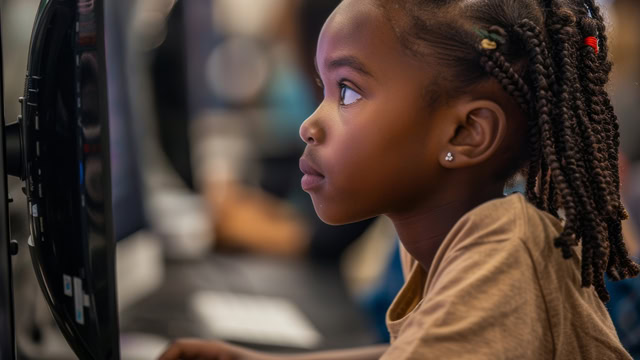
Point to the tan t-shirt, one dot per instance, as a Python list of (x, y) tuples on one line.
[(499, 289)]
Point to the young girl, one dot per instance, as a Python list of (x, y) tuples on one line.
[(430, 107)]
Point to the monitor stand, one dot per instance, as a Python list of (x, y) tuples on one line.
[(7, 247)]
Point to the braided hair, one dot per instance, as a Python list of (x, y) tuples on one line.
[(536, 51)]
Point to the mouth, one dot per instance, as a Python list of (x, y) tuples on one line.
[(312, 178)]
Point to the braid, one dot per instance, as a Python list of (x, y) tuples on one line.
[(534, 162), (595, 124), (544, 183), (611, 127), (603, 43), (563, 37), (495, 64), (597, 68), (532, 36), (552, 206)]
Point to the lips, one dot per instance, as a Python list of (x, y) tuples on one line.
[(312, 178)]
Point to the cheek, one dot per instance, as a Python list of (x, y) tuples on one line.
[(373, 166), (347, 195)]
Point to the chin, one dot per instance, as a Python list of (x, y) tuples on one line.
[(335, 215), (331, 220), (326, 214)]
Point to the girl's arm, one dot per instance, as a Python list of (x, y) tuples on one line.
[(361, 353), (200, 349)]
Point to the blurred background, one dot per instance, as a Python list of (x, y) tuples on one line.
[(216, 239)]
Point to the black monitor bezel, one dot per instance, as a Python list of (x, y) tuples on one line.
[(56, 22)]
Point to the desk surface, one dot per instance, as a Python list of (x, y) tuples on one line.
[(317, 289)]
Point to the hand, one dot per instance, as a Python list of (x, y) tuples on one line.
[(193, 349)]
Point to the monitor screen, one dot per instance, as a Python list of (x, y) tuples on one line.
[(66, 162)]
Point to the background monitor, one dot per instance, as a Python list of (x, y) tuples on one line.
[(128, 209)]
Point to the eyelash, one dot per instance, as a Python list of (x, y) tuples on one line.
[(341, 86)]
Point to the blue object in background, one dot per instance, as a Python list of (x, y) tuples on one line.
[(378, 300), (624, 309)]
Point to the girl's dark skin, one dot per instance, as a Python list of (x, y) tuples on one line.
[(376, 145)]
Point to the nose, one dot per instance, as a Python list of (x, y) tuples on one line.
[(311, 132)]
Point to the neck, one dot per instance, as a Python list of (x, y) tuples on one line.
[(422, 231)]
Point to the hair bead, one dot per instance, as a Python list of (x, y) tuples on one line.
[(593, 42)]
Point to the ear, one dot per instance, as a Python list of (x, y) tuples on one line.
[(475, 135)]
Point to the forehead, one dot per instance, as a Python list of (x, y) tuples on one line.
[(359, 28), (353, 15)]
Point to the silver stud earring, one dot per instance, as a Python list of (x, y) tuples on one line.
[(449, 157)]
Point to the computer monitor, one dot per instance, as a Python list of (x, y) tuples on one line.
[(63, 157)]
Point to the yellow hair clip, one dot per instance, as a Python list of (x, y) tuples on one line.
[(489, 40), (488, 44)]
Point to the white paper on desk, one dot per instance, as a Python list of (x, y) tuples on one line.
[(255, 319)]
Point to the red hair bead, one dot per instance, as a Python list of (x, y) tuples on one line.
[(593, 42)]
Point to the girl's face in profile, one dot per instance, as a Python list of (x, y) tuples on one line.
[(373, 145)]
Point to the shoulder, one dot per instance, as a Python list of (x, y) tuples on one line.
[(509, 219), (507, 233), (492, 240)]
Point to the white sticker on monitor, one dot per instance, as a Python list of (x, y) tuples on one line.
[(68, 289), (34, 210), (78, 299)]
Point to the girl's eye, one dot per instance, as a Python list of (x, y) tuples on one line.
[(348, 96)]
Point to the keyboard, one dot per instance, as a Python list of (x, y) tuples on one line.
[(255, 319)]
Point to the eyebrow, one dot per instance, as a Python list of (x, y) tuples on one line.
[(347, 61)]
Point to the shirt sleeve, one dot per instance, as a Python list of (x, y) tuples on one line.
[(484, 302)]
